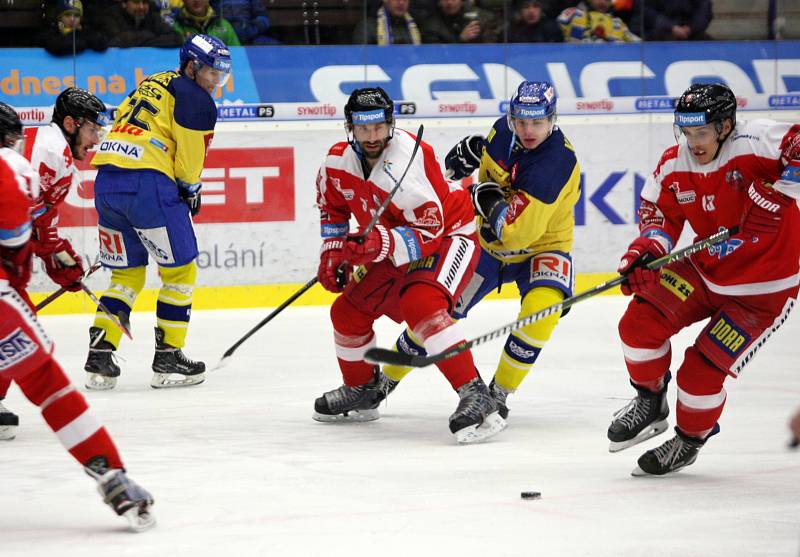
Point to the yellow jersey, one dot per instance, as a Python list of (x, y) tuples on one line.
[(541, 187), (165, 124)]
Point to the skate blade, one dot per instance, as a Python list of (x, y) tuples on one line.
[(491, 426), (638, 472), (165, 380), (656, 429), (97, 382), (139, 520), (351, 416), (8, 432)]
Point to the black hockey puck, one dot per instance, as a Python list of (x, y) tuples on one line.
[(531, 495)]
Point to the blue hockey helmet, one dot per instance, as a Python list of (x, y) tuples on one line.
[(205, 50), (533, 99)]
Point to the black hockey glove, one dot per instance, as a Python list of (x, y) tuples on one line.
[(491, 205), (190, 193), (464, 158)]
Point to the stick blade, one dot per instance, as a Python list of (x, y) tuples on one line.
[(395, 358), (385, 356), (224, 361)]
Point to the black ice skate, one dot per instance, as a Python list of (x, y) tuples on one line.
[(101, 368), (476, 418), (644, 417), (8, 423), (353, 404), (499, 394), (169, 360), (122, 494), (676, 454)]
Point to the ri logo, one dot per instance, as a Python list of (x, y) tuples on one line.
[(725, 247)]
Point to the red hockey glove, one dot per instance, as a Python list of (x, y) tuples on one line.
[(375, 246), (330, 258), (65, 268), (763, 208), (17, 264), (633, 265), (45, 233)]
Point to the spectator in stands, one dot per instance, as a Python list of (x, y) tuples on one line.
[(137, 23), (198, 17), (392, 24), (592, 22), (65, 30), (458, 22), (249, 19), (673, 20), (553, 8), (531, 25)]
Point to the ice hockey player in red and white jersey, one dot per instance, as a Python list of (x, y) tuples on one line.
[(26, 352), (418, 259), (721, 174), (77, 119)]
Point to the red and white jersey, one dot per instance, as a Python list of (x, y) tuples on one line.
[(26, 177), (714, 195), (50, 155), (17, 180), (425, 209)]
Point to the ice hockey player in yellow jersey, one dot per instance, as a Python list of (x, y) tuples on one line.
[(146, 191), (529, 183)]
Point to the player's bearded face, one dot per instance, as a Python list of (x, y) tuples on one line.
[(372, 138), (532, 131), (88, 136)]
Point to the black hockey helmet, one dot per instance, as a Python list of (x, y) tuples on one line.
[(81, 105), (705, 103), (10, 126), (368, 105)]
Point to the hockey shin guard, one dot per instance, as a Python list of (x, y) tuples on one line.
[(174, 306), (68, 415), (524, 345), (407, 344), (701, 395), (119, 299)]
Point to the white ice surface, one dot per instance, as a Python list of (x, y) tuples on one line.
[(237, 466)]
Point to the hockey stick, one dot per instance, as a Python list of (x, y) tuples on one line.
[(229, 352), (383, 355), (116, 320), (47, 301)]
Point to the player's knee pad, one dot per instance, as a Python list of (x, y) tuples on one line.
[(643, 325), (348, 320), (538, 332), (419, 302), (183, 274)]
